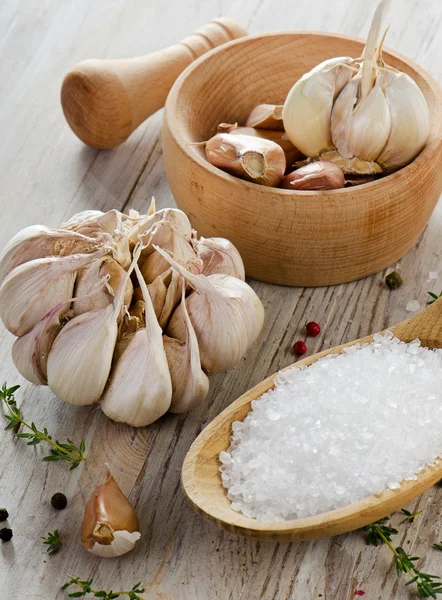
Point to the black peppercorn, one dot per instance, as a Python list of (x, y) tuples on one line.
[(3, 514), (59, 501), (5, 534), (393, 280)]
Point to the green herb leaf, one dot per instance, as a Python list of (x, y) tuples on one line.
[(86, 588), (434, 298), (409, 516), (53, 542)]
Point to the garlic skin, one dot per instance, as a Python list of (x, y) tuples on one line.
[(226, 314), (266, 116), (190, 385), (256, 159), (38, 241), (220, 256), (167, 236), (174, 216), (30, 352), (292, 154), (110, 525), (307, 109), (380, 120), (80, 359), (318, 175), (139, 390), (97, 284), (32, 289)]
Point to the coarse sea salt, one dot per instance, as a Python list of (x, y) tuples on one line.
[(348, 426)]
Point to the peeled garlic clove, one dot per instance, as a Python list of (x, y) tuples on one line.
[(190, 384), (168, 237), (30, 352), (38, 241), (410, 120), (220, 256), (292, 154), (307, 109), (139, 390), (110, 525), (32, 289), (255, 159), (266, 116), (226, 314), (318, 175), (80, 359), (97, 284)]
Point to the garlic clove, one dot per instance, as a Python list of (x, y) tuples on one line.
[(80, 359), (139, 390), (174, 216), (190, 385), (158, 291), (94, 222), (38, 241), (165, 235), (110, 525), (96, 285), (226, 314), (318, 175), (219, 256), (32, 289), (292, 154), (363, 131), (266, 116), (255, 159), (410, 120), (30, 352), (308, 106), (172, 298)]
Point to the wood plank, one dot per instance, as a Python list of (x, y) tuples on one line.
[(46, 176)]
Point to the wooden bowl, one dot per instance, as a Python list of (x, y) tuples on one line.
[(201, 479), (292, 237)]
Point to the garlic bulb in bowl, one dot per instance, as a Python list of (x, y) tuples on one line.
[(361, 114)]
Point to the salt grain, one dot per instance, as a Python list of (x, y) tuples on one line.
[(433, 275), (412, 306), (333, 433)]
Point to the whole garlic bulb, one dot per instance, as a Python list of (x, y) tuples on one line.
[(362, 114), (110, 525)]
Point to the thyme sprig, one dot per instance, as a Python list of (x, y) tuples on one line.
[(434, 297), (53, 542), (86, 588), (66, 451), (426, 584), (409, 516), (438, 546)]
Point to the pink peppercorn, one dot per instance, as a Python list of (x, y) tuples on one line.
[(299, 348), (313, 329)]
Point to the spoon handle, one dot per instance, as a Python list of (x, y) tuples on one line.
[(426, 325), (104, 101)]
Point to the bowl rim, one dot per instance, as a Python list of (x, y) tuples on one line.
[(174, 125)]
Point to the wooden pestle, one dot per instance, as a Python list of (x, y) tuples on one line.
[(104, 101)]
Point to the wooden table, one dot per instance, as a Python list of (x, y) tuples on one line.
[(47, 175)]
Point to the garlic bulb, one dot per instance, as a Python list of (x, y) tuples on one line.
[(110, 525), (226, 314), (38, 241), (252, 158), (30, 352), (359, 113), (165, 235), (139, 390), (190, 384), (32, 289), (97, 284), (220, 256), (80, 359)]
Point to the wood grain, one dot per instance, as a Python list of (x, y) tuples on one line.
[(293, 237), (46, 176), (203, 486)]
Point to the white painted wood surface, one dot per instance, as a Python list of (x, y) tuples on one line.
[(46, 175)]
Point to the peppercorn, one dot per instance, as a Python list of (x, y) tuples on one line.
[(3, 514), (313, 329), (59, 501), (393, 280), (299, 348), (5, 534)]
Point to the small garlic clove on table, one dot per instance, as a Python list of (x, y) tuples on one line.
[(110, 525)]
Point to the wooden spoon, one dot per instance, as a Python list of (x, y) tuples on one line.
[(201, 478)]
